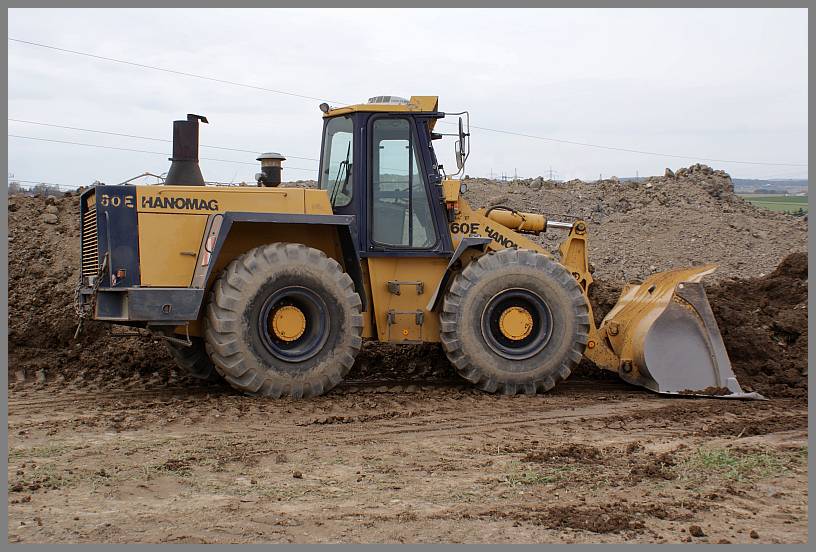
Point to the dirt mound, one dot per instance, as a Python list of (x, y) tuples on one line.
[(764, 324), (424, 362), (687, 218), (43, 272), (602, 518)]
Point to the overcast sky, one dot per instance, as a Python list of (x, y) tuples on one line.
[(724, 84)]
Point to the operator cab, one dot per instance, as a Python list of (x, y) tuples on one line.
[(378, 164)]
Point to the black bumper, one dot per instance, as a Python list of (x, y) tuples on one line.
[(155, 305)]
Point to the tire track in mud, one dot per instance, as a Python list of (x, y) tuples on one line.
[(80, 397), (344, 390), (437, 410), (445, 409), (466, 425)]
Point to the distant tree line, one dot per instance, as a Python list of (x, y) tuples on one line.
[(43, 188), (770, 191)]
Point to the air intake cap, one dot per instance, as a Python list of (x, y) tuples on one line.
[(270, 175)]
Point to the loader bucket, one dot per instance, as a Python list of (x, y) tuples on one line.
[(667, 339)]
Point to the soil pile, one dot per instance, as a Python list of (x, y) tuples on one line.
[(686, 218), (764, 324), (43, 273)]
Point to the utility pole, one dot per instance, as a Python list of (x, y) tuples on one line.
[(515, 174), (550, 172), (637, 175)]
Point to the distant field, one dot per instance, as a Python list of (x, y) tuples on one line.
[(778, 202)]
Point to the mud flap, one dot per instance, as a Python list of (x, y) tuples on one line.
[(667, 339)]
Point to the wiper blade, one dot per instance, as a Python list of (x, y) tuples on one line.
[(343, 165)]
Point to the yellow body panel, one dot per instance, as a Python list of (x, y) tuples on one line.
[(172, 221), (415, 278), (168, 248), (215, 199)]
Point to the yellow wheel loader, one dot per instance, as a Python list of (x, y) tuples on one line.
[(274, 288)]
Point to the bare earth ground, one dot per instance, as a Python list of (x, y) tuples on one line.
[(594, 461)]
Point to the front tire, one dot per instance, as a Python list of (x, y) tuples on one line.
[(514, 321), (283, 320)]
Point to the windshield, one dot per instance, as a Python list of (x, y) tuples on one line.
[(337, 162)]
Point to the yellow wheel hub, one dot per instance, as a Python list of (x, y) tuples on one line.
[(288, 323), (516, 323)]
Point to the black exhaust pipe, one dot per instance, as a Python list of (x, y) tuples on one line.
[(184, 170)]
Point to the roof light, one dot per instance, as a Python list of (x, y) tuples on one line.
[(391, 100)]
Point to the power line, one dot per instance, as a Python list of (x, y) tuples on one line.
[(174, 71), (144, 151), (145, 137), (500, 131), (615, 148)]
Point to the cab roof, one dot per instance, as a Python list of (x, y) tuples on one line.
[(421, 104)]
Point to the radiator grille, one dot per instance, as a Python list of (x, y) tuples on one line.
[(90, 243)]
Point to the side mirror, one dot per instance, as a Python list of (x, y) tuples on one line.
[(461, 146)]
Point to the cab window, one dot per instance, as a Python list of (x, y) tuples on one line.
[(338, 158), (400, 208)]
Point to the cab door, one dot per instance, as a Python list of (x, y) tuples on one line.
[(406, 238)]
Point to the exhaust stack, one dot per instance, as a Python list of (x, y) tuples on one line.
[(184, 169)]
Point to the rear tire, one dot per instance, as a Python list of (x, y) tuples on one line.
[(283, 320), (193, 360), (529, 352)]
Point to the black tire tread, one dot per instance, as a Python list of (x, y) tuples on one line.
[(481, 268), (222, 322)]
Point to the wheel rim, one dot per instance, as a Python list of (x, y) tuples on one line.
[(293, 324), (516, 323)]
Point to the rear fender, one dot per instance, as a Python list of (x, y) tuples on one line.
[(223, 230)]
